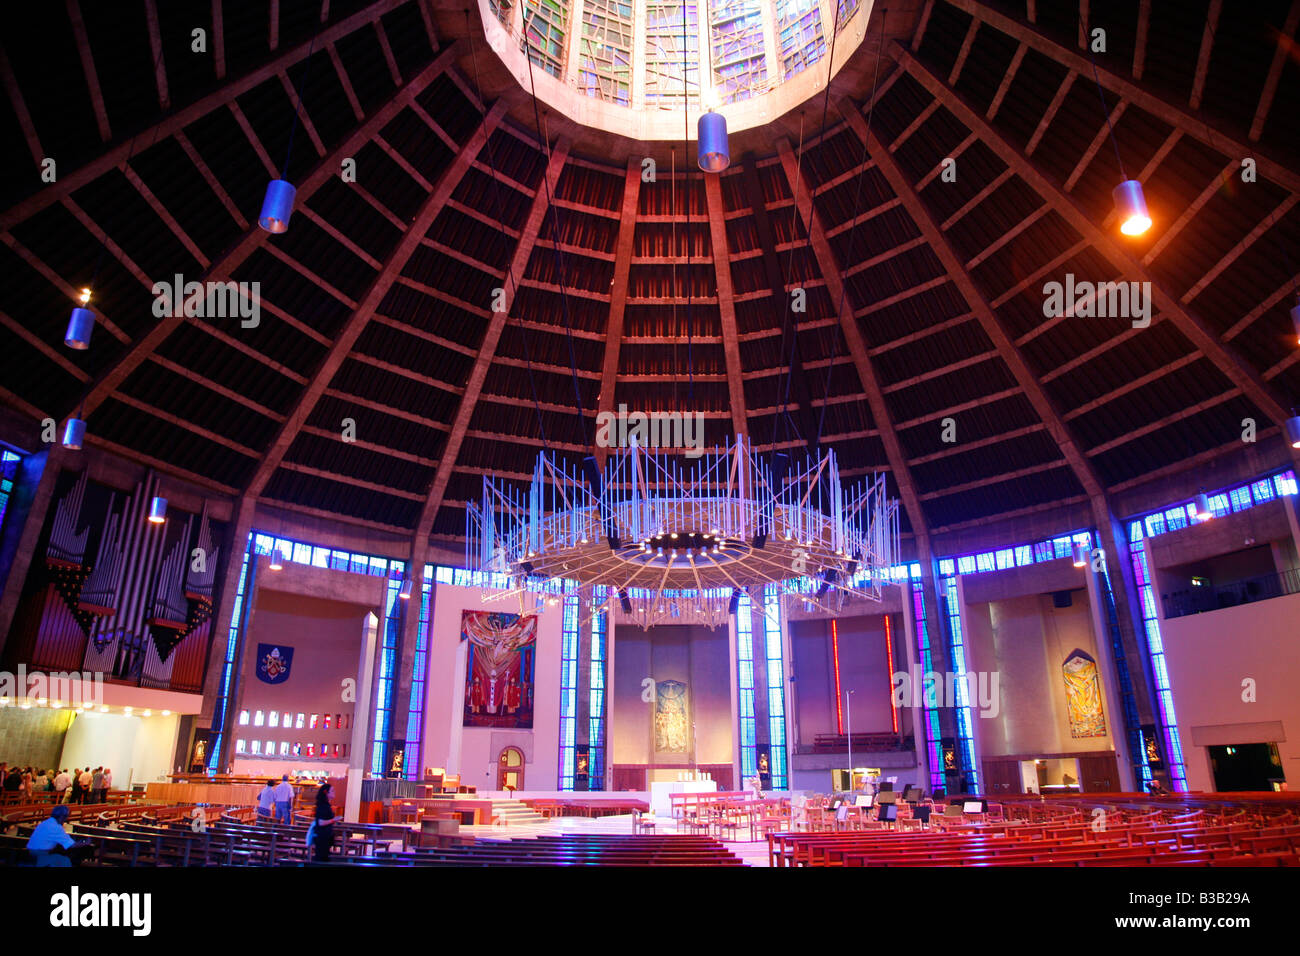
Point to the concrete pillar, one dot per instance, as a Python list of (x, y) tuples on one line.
[(920, 745), (733, 658), (972, 685), (771, 51), (1110, 680), (582, 690), (573, 43), (406, 649), (610, 637), (359, 751), (28, 504), (233, 548), (638, 53)]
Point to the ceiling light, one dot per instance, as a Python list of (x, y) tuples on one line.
[(80, 325), (1131, 207), (715, 155), (277, 207), (157, 510), (1202, 506), (1292, 428), (1080, 555), (277, 560), (74, 433)]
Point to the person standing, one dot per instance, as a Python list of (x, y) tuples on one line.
[(85, 781), (284, 800), (97, 786), (74, 795), (61, 784), (324, 823), (266, 801), (108, 785)]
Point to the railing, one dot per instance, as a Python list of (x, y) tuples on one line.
[(1248, 591), (862, 743)]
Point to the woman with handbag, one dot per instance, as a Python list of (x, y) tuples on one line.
[(323, 824)]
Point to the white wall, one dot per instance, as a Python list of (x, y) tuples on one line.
[(136, 749), (472, 752), (1209, 655), (1025, 640)]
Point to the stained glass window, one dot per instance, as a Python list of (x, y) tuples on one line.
[(605, 50), (739, 55)]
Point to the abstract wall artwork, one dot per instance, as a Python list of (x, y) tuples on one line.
[(499, 668), (670, 717), (1083, 696)]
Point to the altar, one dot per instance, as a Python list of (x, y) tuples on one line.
[(661, 790)]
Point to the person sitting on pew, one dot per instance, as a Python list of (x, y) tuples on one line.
[(266, 801), (49, 842), (1156, 790), (323, 826)]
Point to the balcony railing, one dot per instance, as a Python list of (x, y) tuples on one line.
[(1215, 597)]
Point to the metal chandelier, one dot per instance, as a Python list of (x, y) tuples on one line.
[(658, 538)]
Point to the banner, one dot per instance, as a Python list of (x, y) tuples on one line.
[(499, 669), (1083, 696), (273, 663)]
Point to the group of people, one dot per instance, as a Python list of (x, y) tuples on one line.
[(79, 786), (50, 842), (275, 801)]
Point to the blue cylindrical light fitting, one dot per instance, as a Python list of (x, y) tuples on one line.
[(74, 433), (1131, 207), (80, 325), (277, 207), (715, 155), (157, 510)]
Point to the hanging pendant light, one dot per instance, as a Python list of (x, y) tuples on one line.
[(405, 592), (1295, 320), (1130, 202), (1292, 429), (277, 207), (1202, 506), (80, 325), (715, 155), (1131, 207), (277, 560), (1080, 555), (74, 433), (157, 510)]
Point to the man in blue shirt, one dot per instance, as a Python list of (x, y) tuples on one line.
[(284, 800), (49, 834)]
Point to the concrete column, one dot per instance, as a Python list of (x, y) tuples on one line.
[(638, 53), (359, 751), (582, 690), (771, 57), (1289, 504), (573, 43), (972, 684), (1110, 680), (28, 504), (233, 548), (733, 658), (919, 744), (1128, 603), (406, 647), (610, 629)]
